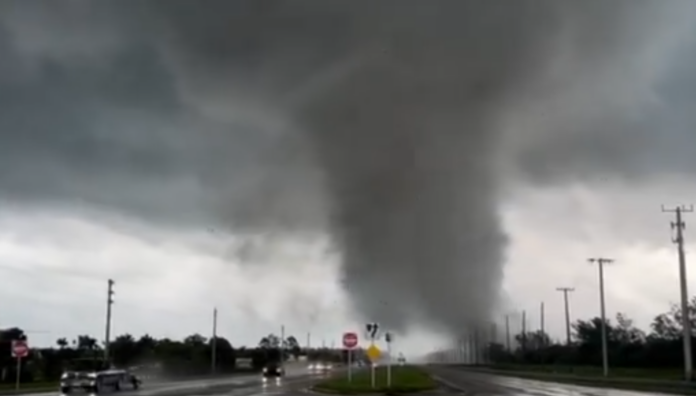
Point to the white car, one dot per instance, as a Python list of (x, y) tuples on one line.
[(317, 367)]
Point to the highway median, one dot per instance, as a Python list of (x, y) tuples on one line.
[(405, 379)]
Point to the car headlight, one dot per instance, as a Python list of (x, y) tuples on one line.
[(265, 370)]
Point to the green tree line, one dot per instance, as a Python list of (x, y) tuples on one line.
[(628, 346), (191, 356)]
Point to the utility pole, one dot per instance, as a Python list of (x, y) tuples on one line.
[(282, 347), (524, 331), (541, 321), (477, 355), (565, 291), (471, 347), (605, 349), (213, 343), (507, 333), (109, 303), (679, 227), (309, 341)]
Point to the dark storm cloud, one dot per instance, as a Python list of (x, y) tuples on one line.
[(392, 125), (91, 112)]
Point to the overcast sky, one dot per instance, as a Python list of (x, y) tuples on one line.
[(183, 153), (55, 265)]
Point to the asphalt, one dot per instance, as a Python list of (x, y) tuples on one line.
[(456, 380), (296, 382)]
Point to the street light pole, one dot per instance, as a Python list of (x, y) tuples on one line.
[(542, 324), (605, 349), (213, 343), (109, 303)]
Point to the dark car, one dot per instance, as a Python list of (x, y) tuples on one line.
[(273, 370), (94, 376)]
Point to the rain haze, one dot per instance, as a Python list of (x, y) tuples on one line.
[(428, 166)]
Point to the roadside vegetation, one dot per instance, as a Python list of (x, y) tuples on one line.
[(638, 359), (149, 356), (632, 351), (405, 379), (32, 387)]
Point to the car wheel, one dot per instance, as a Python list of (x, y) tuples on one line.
[(97, 386), (65, 390), (136, 383)]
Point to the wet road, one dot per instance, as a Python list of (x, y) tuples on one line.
[(296, 381), (456, 381), (460, 381)]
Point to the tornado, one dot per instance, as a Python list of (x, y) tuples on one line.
[(405, 132)]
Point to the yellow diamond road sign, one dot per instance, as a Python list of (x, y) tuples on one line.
[(373, 352)]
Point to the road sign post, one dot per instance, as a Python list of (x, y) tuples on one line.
[(388, 337), (350, 341), (350, 365), (372, 352), (373, 373), (20, 350)]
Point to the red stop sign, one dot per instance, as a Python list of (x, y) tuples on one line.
[(20, 349), (350, 340)]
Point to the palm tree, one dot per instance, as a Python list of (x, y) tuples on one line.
[(62, 343), (291, 344), (147, 343), (195, 339), (86, 343)]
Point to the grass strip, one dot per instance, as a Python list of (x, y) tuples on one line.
[(405, 379), (28, 387)]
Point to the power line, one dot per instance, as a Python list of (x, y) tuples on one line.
[(679, 227), (565, 291), (605, 350)]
